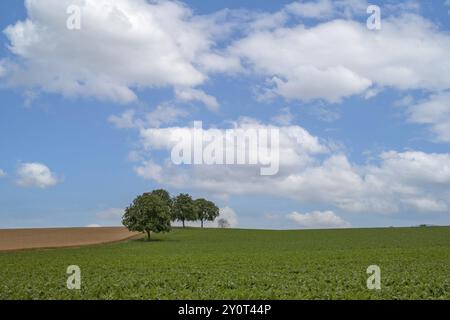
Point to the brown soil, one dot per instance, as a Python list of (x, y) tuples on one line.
[(20, 239)]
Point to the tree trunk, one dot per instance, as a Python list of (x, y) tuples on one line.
[(202, 223), (183, 222), (148, 235)]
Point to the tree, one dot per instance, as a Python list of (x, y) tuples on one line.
[(164, 195), (223, 223), (183, 208), (148, 213), (205, 210)]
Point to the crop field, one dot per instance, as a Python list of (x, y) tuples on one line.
[(19, 239), (240, 264)]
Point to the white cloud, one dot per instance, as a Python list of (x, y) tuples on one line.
[(318, 219), (35, 175), (341, 58), (2, 173), (416, 167), (110, 214), (123, 121), (229, 215), (197, 95), (266, 20), (405, 101), (150, 170), (284, 118), (164, 44), (388, 187), (312, 172), (163, 114), (322, 9), (156, 44), (394, 7), (93, 226), (324, 113), (326, 9), (296, 144), (2, 68), (435, 112)]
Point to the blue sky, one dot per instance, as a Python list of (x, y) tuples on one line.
[(374, 102)]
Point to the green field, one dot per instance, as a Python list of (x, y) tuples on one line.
[(241, 264)]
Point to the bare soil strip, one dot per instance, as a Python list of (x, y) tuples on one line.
[(20, 239)]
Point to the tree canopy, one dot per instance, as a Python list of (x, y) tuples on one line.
[(164, 195), (183, 208), (153, 211), (148, 213), (205, 210)]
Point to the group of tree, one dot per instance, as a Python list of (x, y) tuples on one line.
[(154, 211)]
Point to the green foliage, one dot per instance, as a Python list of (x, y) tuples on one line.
[(163, 194), (148, 213), (183, 208), (241, 264), (205, 210)]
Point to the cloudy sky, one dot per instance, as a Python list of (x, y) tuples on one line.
[(87, 114)]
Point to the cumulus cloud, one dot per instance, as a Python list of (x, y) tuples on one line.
[(387, 187), (318, 219), (311, 171), (296, 145), (163, 114), (336, 59), (156, 44), (164, 44), (150, 170), (2, 68), (322, 9), (2, 173), (327, 9), (284, 118), (123, 121), (198, 95), (35, 175), (434, 112)]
